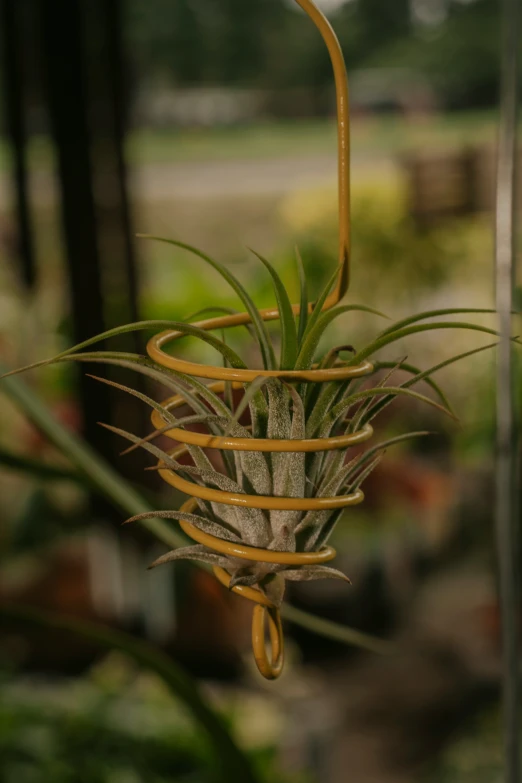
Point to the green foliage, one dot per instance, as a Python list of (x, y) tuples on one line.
[(392, 257), (39, 744), (474, 754), (462, 60), (272, 45), (288, 326), (231, 761)]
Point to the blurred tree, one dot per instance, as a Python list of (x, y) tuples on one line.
[(379, 22), (458, 52), (186, 41), (463, 60), (271, 44), (241, 49), (166, 40)]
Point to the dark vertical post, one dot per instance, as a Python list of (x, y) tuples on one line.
[(83, 52), (11, 32), (506, 503), (107, 110), (107, 115), (67, 95), (119, 92)]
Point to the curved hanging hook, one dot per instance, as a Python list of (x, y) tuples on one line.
[(156, 343), (343, 144), (264, 610)]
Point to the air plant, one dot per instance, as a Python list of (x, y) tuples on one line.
[(278, 409)]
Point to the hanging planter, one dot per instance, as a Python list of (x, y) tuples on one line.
[(266, 516)]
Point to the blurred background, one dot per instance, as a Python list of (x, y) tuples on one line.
[(213, 121)]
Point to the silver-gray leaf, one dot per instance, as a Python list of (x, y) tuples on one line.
[(274, 589), (202, 523), (197, 552), (307, 573)]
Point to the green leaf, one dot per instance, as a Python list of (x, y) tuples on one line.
[(314, 394), (186, 329), (322, 405), (303, 305), (353, 485), (363, 410), (222, 311), (332, 355), (165, 376), (432, 314), (80, 454), (166, 415), (315, 331), (228, 389), (318, 305), (265, 344), (36, 467), (378, 447), (343, 406), (410, 368), (286, 315), (258, 413), (168, 378), (332, 630), (181, 423), (423, 375), (322, 526), (391, 337)]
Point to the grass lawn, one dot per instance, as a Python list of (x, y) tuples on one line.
[(370, 135)]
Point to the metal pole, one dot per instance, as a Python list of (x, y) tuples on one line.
[(506, 474)]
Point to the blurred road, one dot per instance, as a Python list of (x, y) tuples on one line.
[(215, 179)]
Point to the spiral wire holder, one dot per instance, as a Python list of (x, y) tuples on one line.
[(269, 666)]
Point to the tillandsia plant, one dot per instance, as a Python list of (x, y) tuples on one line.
[(261, 515)]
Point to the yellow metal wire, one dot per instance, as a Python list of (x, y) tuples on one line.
[(252, 444), (267, 502), (269, 666), (155, 346)]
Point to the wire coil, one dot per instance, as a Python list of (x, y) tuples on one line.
[(269, 666)]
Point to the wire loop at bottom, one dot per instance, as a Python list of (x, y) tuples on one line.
[(269, 668)]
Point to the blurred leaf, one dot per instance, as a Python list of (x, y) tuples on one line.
[(37, 468), (185, 329), (232, 761)]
